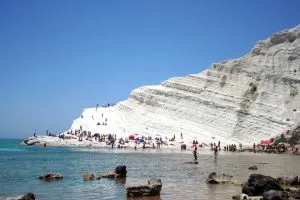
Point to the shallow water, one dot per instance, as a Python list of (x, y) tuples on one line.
[(20, 167)]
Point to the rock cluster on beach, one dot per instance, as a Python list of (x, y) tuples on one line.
[(264, 187), (261, 187), (152, 188)]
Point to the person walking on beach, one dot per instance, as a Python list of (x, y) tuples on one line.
[(216, 151), (195, 154)]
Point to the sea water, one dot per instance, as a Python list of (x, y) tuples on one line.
[(20, 167)]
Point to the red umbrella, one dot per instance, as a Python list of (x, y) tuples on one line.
[(131, 137), (265, 142)]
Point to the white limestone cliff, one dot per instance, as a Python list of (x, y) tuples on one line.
[(244, 100)]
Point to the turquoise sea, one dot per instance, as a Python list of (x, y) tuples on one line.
[(20, 167)]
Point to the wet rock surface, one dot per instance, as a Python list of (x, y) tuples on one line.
[(50, 177), (213, 178), (253, 167), (152, 188), (258, 184), (26, 196)]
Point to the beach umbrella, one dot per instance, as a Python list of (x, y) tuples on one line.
[(131, 137), (265, 142)]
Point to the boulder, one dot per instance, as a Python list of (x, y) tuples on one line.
[(121, 171), (275, 195), (258, 184), (88, 176), (50, 177), (152, 188), (214, 179), (27, 196), (288, 180), (254, 167)]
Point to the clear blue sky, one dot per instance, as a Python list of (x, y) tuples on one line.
[(58, 57)]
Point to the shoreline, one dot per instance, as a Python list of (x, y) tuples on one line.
[(131, 146)]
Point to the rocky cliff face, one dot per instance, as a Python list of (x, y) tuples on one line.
[(243, 100)]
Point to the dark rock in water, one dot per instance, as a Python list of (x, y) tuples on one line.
[(109, 175), (50, 177), (88, 176), (263, 163), (192, 162), (275, 195), (151, 189), (121, 171), (26, 196), (258, 184), (288, 180), (214, 179), (253, 168)]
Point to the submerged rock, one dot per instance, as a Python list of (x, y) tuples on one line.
[(50, 177), (258, 184), (152, 188), (109, 175), (88, 176), (253, 168), (26, 196), (214, 179), (191, 162)]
